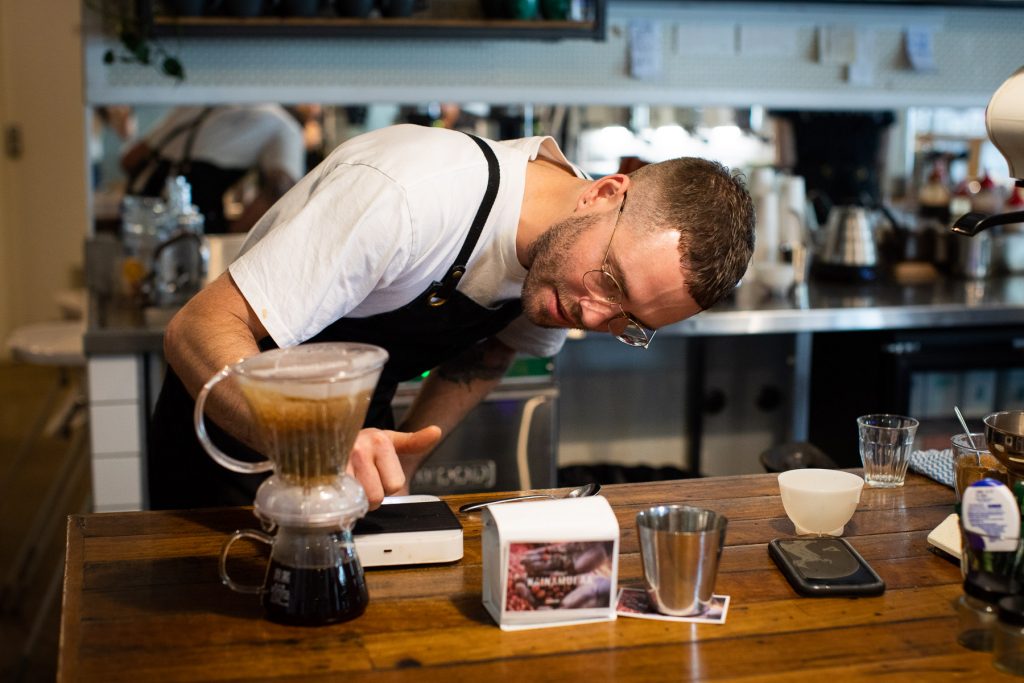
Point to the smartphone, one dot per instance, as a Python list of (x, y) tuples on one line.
[(406, 530), (825, 566)]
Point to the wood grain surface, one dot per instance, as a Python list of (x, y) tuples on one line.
[(143, 602)]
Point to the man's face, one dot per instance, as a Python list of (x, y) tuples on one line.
[(647, 268)]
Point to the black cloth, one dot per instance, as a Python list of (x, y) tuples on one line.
[(418, 337)]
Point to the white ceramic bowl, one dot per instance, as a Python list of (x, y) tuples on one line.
[(820, 501)]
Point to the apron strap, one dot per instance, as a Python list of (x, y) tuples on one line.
[(192, 128), (440, 292), (186, 156)]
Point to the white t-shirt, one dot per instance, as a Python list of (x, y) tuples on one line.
[(262, 136), (378, 221)]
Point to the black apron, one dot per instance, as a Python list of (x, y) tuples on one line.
[(438, 325), (208, 181)]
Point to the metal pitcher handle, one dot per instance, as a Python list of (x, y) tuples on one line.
[(222, 458)]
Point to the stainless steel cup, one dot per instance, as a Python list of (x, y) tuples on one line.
[(680, 547)]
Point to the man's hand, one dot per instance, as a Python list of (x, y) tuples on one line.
[(376, 459)]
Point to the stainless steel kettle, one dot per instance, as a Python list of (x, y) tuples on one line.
[(848, 238), (178, 270), (847, 247)]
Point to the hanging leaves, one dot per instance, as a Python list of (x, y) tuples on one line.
[(137, 45)]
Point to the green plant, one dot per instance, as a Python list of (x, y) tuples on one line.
[(123, 19)]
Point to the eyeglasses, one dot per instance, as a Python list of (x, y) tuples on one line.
[(603, 285)]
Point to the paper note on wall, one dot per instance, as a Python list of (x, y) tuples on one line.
[(768, 40), (704, 40), (837, 45), (644, 49), (861, 71), (919, 44)]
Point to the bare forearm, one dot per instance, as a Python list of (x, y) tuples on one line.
[(456, 386), (216, 328)]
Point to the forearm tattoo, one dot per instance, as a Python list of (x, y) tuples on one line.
[(479, 362)]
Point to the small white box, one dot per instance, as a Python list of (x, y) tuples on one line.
[(550, 563)]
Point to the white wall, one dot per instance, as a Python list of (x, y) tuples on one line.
[(975, 50), (42, 193)]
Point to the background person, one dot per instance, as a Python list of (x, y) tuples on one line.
[(214, 148)]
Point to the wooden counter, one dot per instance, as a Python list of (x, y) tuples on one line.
[(143, 602)]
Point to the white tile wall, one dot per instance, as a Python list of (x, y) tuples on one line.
[(115, 428), (116, 432), (117, 482), (114, 378)]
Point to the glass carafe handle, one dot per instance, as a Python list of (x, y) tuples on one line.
[(241, 533), (222, 458)]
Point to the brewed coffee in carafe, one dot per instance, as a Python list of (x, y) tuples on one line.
[(314, 578)]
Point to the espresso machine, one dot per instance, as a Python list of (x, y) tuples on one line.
[(1004, 121), (308, 404)]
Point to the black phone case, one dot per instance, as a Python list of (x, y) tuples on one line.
[(863, 582)]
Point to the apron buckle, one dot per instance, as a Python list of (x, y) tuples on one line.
[(440, 291), (437, 295)]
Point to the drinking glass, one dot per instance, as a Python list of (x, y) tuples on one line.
[(974, 463), (885, 444)]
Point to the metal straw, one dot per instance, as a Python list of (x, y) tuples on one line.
[(963, 423)]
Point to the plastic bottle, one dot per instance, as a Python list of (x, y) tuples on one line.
[(990, 521), (183, 213)]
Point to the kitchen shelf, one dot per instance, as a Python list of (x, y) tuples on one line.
[(376, 27)]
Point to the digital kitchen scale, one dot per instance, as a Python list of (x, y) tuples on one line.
[(419, 529)]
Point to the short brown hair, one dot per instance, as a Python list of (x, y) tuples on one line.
[(713, 212)]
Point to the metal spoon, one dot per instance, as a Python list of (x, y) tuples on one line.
[(963, 423), (967, 431), (578, 492)]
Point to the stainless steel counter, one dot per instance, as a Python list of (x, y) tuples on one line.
[(828, 307), (116, 329)]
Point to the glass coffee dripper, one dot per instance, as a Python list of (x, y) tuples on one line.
[(308, 404)]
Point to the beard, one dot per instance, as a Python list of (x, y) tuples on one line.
[(548, 256)]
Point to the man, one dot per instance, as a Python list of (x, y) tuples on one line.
[(454, 253), (214, 147)]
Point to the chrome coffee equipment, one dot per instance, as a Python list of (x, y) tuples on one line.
[(178, 269), (1004, 435), (308, 404), (847, 248), (166, 256), (1004, 121)]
